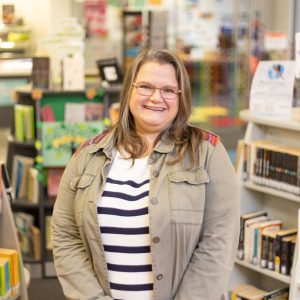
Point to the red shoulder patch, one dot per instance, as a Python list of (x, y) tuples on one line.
[(95, 140), (210, 137)]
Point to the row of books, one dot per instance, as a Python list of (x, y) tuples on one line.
[(273, 165), (75, 112), (30, 236), (250, 292), (25, 181), (9, 273), (263, 242), (24, 122)]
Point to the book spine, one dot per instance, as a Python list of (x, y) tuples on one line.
[(284, 258), (271, 253), (240, 253), (264, 251)]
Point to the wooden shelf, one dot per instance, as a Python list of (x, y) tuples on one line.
[(271, 191), (49, 203), (293, 124), (31, 260), (12, 140), (24, 203), (272, 274)]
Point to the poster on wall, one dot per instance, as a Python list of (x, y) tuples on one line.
[(95, 16)]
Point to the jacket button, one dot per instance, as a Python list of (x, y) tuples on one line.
[(159, 276), (156, 240), (154, 201), (155, 173)]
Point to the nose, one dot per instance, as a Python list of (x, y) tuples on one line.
[(156, 95)]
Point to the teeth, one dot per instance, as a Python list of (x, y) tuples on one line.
[(155, 108)]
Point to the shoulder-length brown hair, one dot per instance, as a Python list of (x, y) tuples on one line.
[(185, 137)]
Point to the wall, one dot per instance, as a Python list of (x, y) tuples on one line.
[(41, 15)]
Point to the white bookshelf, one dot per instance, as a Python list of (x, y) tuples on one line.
[(267, 272), (279, 204), (9, 239)]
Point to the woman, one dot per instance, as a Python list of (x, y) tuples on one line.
[(150, 208)]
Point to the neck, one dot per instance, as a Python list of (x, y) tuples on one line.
[(150, 140)]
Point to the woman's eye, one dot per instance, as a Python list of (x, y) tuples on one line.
[(146, 87), (169, 91)]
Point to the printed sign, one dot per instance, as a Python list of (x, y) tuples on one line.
[(271, 92)]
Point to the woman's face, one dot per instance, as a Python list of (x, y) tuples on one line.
[(153, 114)]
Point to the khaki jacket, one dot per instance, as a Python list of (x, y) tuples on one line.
[(194, 223)]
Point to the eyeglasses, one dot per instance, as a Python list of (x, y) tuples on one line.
[(147, 89)]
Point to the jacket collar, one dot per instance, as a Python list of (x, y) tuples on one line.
[(107, 144), (165, 145)]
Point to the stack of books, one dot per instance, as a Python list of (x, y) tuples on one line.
[(9, 273), (250, 292), (264, 243)]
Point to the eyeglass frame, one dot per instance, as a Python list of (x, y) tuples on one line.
[(155, 88)]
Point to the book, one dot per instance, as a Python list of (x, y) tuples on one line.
[(19, 123), (5, 290), (292, 252), (6, 182), (94, 111), (285, 260), (20, 170), (13, 256), (40, 74), (278, 245), (252, 293), (24, 122), (267, 248), (280, 294), (47, 114), (53, 179), (73, 73), (243, 219), (259, 229), (23, 222), (233, 293), (250, 226), (35, 239), (74, 112), (48, 233), (33, 185), (271, 249)]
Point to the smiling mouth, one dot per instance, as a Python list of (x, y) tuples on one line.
[(155, 108)]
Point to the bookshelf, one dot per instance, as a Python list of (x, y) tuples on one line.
[(279, 204), (56, 99), (9, 239), (142, 28)]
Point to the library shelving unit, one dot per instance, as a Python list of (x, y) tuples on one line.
[(9, 239), (43, 267), (142, 28), (279, 204)]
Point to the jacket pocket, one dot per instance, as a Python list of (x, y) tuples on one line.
[(187, 195), (80, 185)]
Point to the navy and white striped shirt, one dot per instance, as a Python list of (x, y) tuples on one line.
[(124, 225)]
